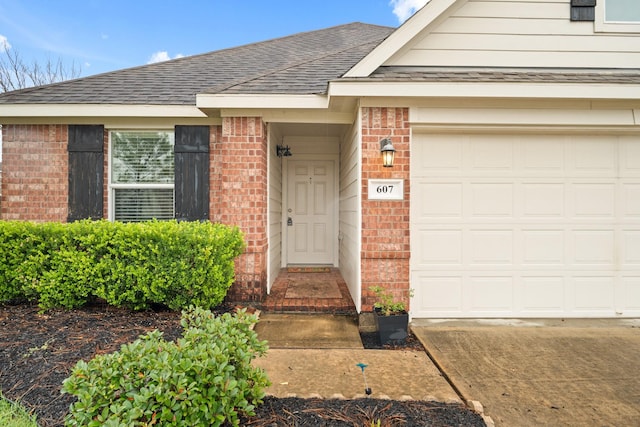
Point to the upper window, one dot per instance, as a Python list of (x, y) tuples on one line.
[(142, 175), (622, 11), (618, 16)]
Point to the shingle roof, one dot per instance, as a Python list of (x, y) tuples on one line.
[(299, 64), (510, 75)]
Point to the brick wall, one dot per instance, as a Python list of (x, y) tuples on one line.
[(35, 176), (385, 223), (239, 197)]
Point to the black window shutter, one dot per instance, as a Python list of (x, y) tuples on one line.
[(583, 10), (192, 173), (86, 172)]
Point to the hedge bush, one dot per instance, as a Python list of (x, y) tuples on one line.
[(176, 264), (206, 378)]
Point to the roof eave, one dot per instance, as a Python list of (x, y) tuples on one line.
[(503, 90), (261, 101), (98, 110)]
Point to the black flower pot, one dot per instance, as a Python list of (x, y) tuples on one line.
[(392, 328)]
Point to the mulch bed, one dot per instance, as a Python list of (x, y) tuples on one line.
[(38, 351)]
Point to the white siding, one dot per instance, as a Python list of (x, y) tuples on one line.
[(518, 33), (275, 210), (349, 235)]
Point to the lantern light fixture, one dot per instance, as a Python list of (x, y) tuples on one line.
[(388, 152), (283, 151)]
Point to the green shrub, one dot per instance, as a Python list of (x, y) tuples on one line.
[(135, 264), (206, 378)]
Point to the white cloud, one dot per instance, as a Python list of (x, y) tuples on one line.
[(161, 56), (403, 9), (4, 43)]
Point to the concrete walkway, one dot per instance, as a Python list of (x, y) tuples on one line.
[(524, 373), (317, 356), (542, 373)]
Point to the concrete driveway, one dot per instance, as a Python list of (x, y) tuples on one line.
[(542, 372)]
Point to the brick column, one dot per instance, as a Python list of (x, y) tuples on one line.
[(385, 223), (35, 181), (239, 197)]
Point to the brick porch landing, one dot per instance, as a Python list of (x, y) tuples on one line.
[(309, 292)]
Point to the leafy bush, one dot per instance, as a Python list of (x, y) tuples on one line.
[(206, 378), (135, 264)]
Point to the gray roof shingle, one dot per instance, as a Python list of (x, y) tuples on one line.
[(507, 75), (298, 64)]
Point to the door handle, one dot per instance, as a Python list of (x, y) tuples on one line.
[(289, 221)]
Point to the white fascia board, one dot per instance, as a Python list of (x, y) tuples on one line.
[(521, 117), (99, 110), (292, 116), (484, 90), (399, 38), (267, 101)]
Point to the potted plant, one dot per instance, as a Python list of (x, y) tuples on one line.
[(392, 319)]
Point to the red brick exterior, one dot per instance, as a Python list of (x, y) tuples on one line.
[(239, 196), (35, 186), (35, 182), (385, 224)]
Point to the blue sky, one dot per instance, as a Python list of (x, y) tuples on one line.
[(105, 35)]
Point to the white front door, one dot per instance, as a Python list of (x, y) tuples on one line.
[(309, 212)]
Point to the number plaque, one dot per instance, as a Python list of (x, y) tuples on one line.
[(386, 189)]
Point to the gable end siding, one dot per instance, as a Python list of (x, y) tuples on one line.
[(192, 173), (518, 33)]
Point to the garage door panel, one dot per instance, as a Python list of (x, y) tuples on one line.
[(543, 200), (490, 294), (543, 158), (593, 156), (630, 201), (594, 200), (593, 248), (441, 157), (630, 294), (491, 199), (630, 255), (438, 199), (543, 247), (629, 157), (439, 294), (525, 225), (592, 294), (490, 247), (543, 294), (439, 247), (490, 155)]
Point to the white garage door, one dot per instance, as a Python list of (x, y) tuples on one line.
[(525, 226)]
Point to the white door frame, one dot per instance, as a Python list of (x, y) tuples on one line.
[(285, 196)]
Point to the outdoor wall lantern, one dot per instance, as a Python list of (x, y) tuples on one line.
[(283, 151), (388, 152)]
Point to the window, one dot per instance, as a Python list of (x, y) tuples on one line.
[(142, 175), (622, 16), (622, 11)]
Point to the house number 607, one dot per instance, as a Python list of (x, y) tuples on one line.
[(384, 189)]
